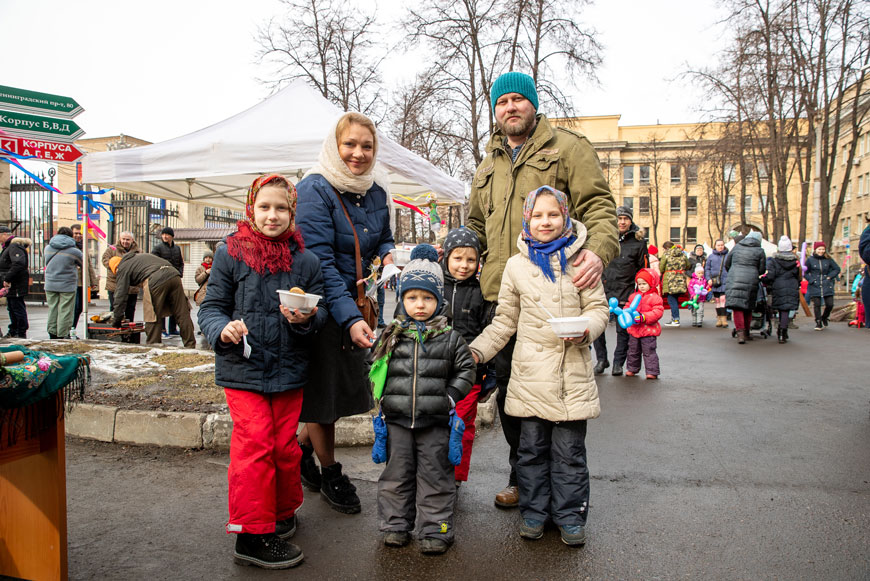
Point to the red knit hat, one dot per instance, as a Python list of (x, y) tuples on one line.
[(653, 249), (649, 276), (819, 244)]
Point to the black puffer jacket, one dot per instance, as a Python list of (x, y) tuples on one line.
[(784, 281), (745, 263), (619, 275), (467, 309), (419, 380), (172, 253), (13, 267), (821, 274)]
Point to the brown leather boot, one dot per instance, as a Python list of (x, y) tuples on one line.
[(508, 498), (722, 321), (741, 336)]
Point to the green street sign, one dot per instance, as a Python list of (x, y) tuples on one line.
[(39, 127), (25, 101)]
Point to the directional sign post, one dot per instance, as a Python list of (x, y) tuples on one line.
[(41, 149), (24, 101), (39, 127)]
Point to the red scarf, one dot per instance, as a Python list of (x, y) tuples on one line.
[(206, 265), (261, 252)]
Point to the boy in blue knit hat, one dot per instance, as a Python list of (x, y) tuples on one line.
[(429, 369)]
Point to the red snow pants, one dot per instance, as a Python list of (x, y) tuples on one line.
[(264, 482), (467, 410)]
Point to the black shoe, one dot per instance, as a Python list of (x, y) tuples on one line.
[(337, 490), (617, 370), (825, 321), (819, 326), (784, 336), (601, 366), (308, 469), (286, 528), (779, 335), (396, 538), (431, 546), (266, 551)]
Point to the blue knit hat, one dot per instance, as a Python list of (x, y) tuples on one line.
[(514, 82), (423, 272)]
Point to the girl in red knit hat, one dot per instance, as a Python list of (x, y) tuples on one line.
[(642, 335)]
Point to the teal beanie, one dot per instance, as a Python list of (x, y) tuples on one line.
[(514, 82)]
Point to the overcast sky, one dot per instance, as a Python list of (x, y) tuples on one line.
[(160, 69)]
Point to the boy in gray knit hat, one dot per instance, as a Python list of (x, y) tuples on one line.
[(428, 368)]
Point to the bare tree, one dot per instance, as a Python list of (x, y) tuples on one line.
[(651, 184), (329, 45)]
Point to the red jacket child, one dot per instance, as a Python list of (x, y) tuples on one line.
[(650, 307)]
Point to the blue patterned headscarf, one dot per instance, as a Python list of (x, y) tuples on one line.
[(540, 252)]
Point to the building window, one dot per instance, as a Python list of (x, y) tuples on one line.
[(691, 234), (728, 172), (675, 234), (730, 204), (628, 202), (747, 202), (748, 171), (643, 203), (860, 186), (185, 251), (675, 173), (845, 155), (644, 174), (847, 226), (762, 203), (762, 171), (692, 204), (675, 204), (848, 191), (628, 175), (692, 173)]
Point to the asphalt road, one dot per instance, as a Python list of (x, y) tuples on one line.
[(742, 462)]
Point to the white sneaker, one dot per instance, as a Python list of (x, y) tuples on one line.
[(672, 324), (72, 334)]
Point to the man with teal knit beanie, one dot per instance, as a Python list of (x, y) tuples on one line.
[(524, 153)]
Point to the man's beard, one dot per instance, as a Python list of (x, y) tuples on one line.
[(522, 128)]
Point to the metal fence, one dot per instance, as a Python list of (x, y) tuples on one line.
[(144, 217), (33, 216)]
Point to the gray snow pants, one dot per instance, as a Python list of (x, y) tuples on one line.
[(551, 471), (417, 483)]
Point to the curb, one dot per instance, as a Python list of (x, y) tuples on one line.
[(201, 430)]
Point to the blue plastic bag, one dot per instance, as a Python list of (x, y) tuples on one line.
[(457, 428), (379, 449)]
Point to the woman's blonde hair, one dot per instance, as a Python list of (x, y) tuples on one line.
[(352, 117)]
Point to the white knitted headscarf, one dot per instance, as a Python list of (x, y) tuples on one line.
[(330, 166)]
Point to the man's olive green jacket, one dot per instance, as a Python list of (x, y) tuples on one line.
[(556, 157)]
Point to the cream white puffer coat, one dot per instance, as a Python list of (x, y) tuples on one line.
[(551, 379)]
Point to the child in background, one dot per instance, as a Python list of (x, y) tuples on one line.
[(642, 335), (261, 361), (429, 367), (699, 287), (467, 313), (552, 387)]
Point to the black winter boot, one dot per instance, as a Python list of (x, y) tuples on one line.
[(308, 469), (337, 490), (784, 336), (779, 333), (266, 551)]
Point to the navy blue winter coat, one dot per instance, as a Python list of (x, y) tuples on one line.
[(821, 274), (864, 251), (279, 350), (745, 263), (715, 264), (783, 278), (327, 234)]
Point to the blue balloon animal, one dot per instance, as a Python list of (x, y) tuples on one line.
[(625, 317)]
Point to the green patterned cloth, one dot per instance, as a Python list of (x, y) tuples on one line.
[(40, 376)]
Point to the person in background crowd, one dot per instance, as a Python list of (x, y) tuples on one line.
[(745, 264), (618, 281), (341, 199), (203, 271), (642, 343), (699, 288), (524, 153), (126, 243), (653, 253), (698, 256), (93, 279), (163, 294), (784, 280), (15, 276), (62, 258), (864, 251), (715, 273), (168, 250), (674, 266), (822, 272)]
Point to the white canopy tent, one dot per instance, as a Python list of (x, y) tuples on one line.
[(281, 134)]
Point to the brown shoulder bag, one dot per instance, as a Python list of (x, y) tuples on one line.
[(367, 305)]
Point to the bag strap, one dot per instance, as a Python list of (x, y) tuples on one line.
[(359, 276), (721, 265)]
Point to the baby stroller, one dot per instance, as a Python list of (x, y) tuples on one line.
[(762, 315)]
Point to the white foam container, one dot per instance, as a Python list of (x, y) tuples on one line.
[(305, 303), (569, 326), (401, 256)]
